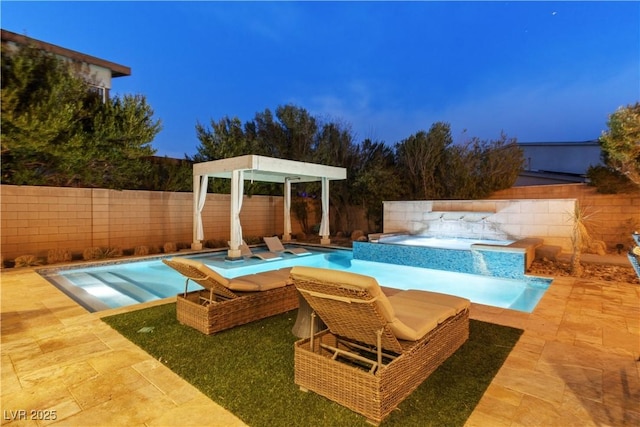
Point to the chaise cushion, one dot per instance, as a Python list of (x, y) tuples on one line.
[(348, 280), (260, 281), (204, 269), (422, 311), (457, 303), (409, 314)]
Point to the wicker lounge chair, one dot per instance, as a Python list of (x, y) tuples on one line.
[(275, 245), (377, 349), (225, 303)]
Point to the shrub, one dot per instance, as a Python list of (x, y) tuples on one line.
[(101, 253), (141, 250), (58, 255), (27, 261), (609, 181), (169, 247)]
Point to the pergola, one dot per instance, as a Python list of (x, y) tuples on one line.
[(259, 168)]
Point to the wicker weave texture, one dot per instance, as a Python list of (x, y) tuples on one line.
[(207, 282), (225, 314), (376, 395), (357, 320)]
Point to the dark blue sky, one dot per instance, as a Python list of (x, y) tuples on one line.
[(539, 71)]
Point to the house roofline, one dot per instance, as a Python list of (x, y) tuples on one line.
[(555, 144), (117, 70)]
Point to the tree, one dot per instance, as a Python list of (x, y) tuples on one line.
[(621, 143), (57, 131), (420, 157), (478, 168), (375, 180), (225, 138)]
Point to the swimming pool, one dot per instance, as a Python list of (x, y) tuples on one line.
[(119, 284)]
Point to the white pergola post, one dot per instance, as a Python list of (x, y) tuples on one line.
[(324, 223), (287, 210), (237, 192), (199, 197)]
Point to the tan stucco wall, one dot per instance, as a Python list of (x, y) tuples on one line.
[(36, 219)]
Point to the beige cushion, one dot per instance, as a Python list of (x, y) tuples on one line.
[(204, 270), (422, 311), (260, 281), (411, 314), (409, 306), (456, 303), (348, 280)]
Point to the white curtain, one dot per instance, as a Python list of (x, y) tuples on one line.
[(324, 223), (287, 207), (201, 197), (237, 190)]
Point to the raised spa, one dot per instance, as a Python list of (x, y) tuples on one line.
[(499, 258)]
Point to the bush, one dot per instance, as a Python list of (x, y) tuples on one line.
[(609, 181), (141, 250), (101, 253), (169, 247), (27, 261), (58, 255)]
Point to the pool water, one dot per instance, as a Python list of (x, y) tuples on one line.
[(126, 283), (456, 243)]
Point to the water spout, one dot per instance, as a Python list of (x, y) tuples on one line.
[(479, 263)]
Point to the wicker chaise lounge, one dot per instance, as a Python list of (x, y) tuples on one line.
[(225, 303), (377, 349)]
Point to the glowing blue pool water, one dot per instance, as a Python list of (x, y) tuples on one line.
[(126, 283)]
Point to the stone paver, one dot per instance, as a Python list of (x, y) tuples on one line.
[(59, 359), (575, 365)]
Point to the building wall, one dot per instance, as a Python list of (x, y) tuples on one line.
[(36, 219), (569, 157)]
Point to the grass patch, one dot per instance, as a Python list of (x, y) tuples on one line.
[(249, 371)]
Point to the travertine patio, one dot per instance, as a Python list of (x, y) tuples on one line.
[(576, 364)]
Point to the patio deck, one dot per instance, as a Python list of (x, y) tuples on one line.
[(576, 363)]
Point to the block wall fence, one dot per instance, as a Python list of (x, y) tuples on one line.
[(37, 219), (612, 217)]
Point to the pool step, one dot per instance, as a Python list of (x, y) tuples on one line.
[(120, 285), (124, 286)]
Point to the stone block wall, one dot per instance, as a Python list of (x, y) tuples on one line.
[(37, 219), (612, 217)]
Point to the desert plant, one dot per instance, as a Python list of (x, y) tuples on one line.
[(169, 247), (581, 221), (101, 253), (141, 250), (27, 261), (58, 255)]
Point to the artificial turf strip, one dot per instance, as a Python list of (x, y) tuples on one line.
[(249, 371)]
